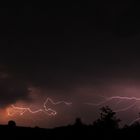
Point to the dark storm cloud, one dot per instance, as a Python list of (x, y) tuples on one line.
[(11, 90), (62, 48)]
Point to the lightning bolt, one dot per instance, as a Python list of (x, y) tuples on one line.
[(136, 120), (21, 110), (12, 110), (126, 108), (120, 98), (117, 100)]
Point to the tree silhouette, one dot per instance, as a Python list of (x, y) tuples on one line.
[(107, 120)]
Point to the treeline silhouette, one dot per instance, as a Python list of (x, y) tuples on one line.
[(106, 127)]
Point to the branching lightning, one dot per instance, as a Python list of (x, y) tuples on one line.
[(117, 100), (12, 110)]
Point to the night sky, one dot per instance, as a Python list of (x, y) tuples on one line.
[(75, 52)]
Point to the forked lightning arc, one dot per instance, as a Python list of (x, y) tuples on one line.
[(118, 100), (12, 110)]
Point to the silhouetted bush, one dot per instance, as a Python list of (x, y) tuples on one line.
[(12, 123)]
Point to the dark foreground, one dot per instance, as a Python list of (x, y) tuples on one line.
[(69, 132), (106, 127)]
